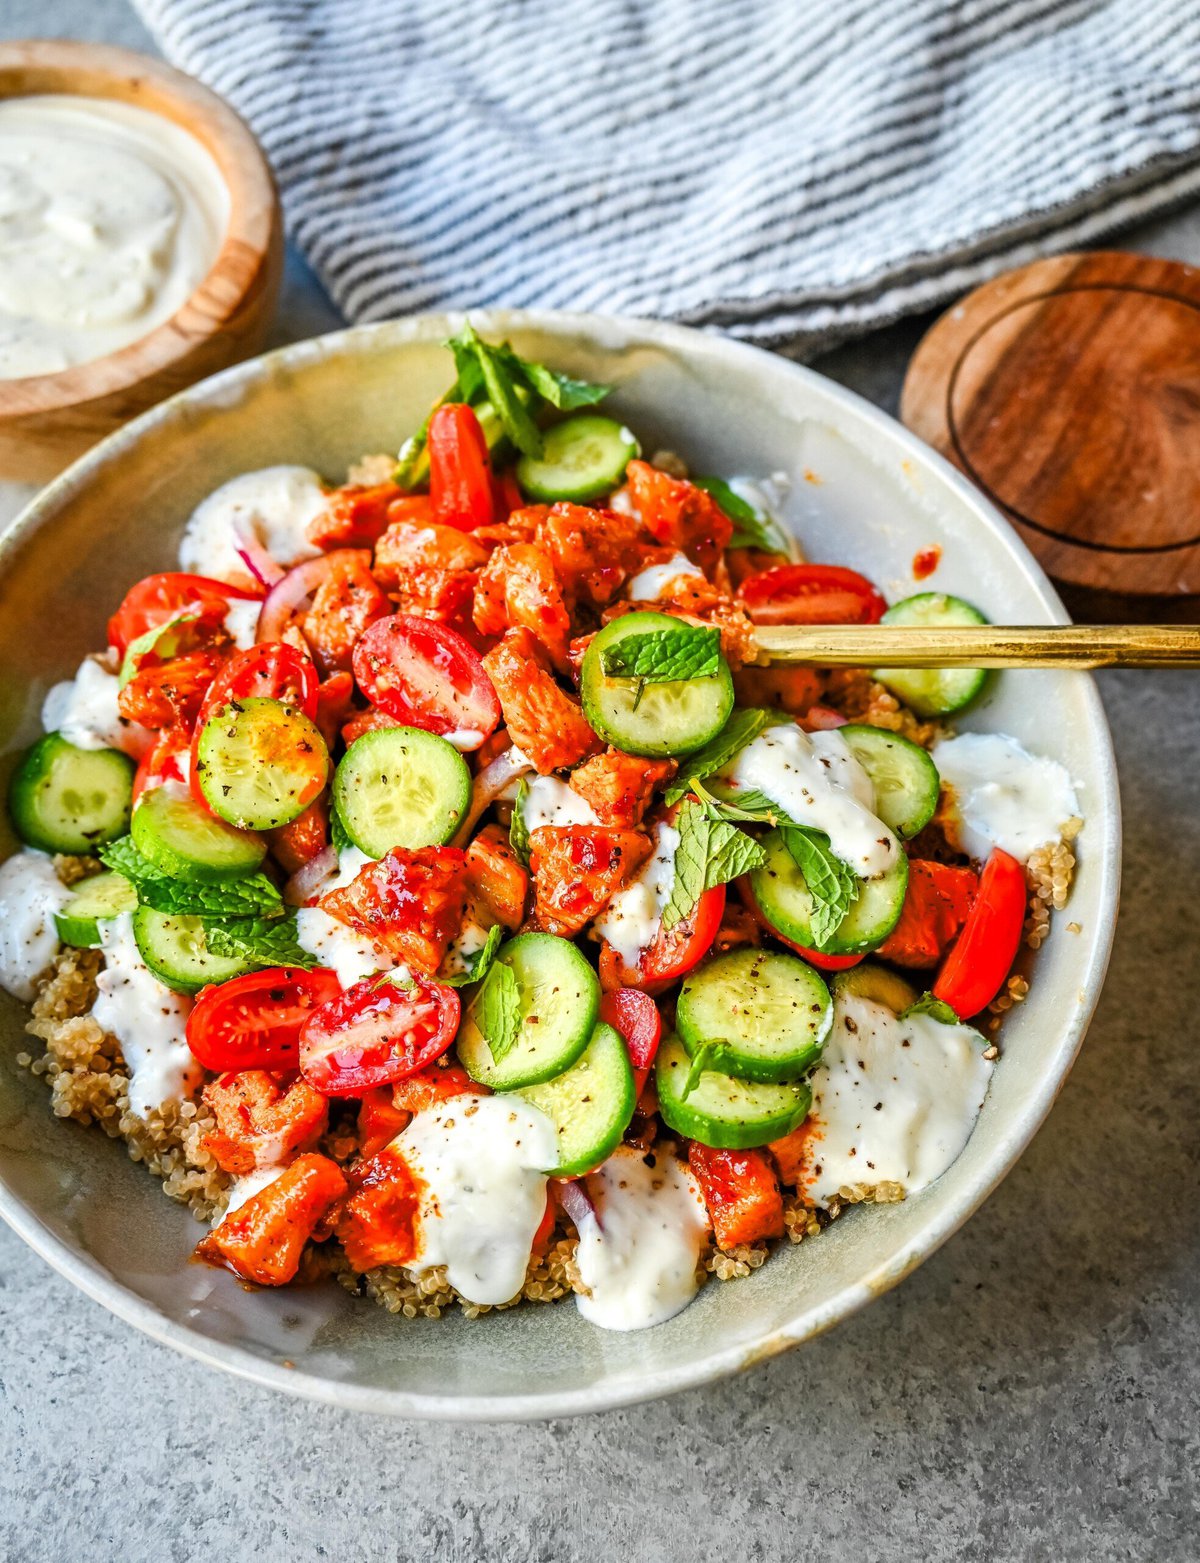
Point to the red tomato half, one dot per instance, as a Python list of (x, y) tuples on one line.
[(460, 471), (164, 762), (812, 594), (377, 1033), (424, 674), (974, 971), (158, 598), (635, 1015), (254, 1021)]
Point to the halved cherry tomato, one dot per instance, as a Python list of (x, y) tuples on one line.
[(672, 954), (254, 1021), (165, 761), (812, 594), (974, 971), (157, 598), (816, 958), (376, 1033), (424, 674), (635, 1015), (460, 472)]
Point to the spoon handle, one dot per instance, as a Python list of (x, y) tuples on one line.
[(983, 645)]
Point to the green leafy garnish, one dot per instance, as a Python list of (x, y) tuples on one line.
[(478, 965), (752, 528), (163, 640), (832, 886), (938, 1009), (711, 852), (664, 656), (251, 896), (742, 728), (705, 1057), (266, 943), (497, 1011), (752, 807), (518, 830)]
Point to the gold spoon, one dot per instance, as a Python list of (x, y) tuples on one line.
[(982, 645)]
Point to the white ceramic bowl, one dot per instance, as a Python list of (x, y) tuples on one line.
[(864, 493)]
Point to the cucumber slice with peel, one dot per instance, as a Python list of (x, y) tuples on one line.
[(877, 983), (762, 1014), (905, 779), (589, 1104), (185, 841), (260, 763), (933, 691), (174, 949), (721, 1110), (97, 900), (582, 458), (558, 1001), (64, 799), (658, 720), (401, 787), (783, 899)]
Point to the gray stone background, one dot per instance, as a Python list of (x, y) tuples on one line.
[(1031, 1393)]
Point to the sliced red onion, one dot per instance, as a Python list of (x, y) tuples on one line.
[(255, 557), (308, 879), (290, 596), (576, 1202), (489, 784)]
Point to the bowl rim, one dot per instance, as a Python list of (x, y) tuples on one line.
[(806, 1322), (66, 67)]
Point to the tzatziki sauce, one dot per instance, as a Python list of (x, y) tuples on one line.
[(639, 1253), (84, 710), (147, 1019), (30, 894), (350, 955), (1000, 795), (479, 1163), (894, 1101), (552, 802), (110, 218), (818, 782), (656, 580), (274, 506), (630, 921)]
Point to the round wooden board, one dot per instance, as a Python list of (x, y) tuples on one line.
[(1069, 391)]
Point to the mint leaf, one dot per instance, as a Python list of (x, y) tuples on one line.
[(477, 966), (497, 1011), (266, 943), (938, 1009), (560, 390), (125, 858), (751, 528), (164, 641), (711, 852), (742, 728), (518, 830), (515, 418), (252, 896), (752, 807), (664, 656), (832, 886), (338, 835)]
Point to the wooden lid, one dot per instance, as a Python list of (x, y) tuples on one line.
[(1069, 391)]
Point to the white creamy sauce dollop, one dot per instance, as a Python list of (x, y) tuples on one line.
[(639, 1253), (84, 710), (895, 1100), (551, 802), (275, 506), (1000, 795), (30, 894), (110, 218), (147, 1019), (480, 1161), (817, 781), (631, 919), (241, 621), (351, 956), (244, 1188), (656, 580)]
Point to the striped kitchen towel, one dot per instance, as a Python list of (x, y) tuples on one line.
[(793, 171)]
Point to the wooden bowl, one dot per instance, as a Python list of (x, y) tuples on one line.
[(48, 420)]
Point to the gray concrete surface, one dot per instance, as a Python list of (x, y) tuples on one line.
[(1031, 1393)]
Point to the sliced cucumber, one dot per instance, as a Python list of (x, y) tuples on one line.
[(582, 458), (589, 1104), (905, 779), (260, 762), (401, 787), (187, 842), (98, 899), (877, 983), (765, 1015), (559, 998), (175, 951), (64, 799), (652, 719), (783, 898), (933, 691), (721, 1110)]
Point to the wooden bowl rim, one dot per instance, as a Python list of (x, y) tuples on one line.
[(29, 67)]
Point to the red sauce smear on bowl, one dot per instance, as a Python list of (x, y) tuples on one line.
[(926, 562)]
